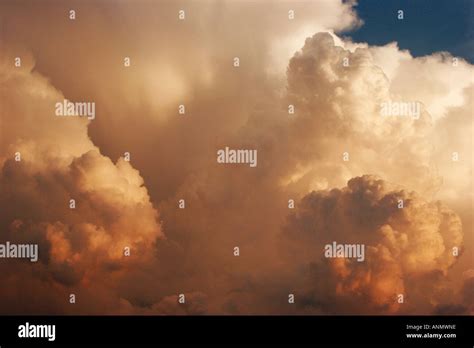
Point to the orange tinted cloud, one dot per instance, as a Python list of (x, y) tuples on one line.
[(173, 157)]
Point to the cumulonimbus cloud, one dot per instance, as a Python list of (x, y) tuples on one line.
[(336, 87)]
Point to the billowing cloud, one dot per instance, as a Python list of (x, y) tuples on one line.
[(48, 162), (338, 143), (402, 245)]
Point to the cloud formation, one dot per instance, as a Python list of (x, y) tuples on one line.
[(46, 163), (342, 162), (404, 246)]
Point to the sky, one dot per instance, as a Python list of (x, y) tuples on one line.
[(427, 27), (362, 135)]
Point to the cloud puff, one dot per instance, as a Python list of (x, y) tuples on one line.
[(402, 245), (59, 163)]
